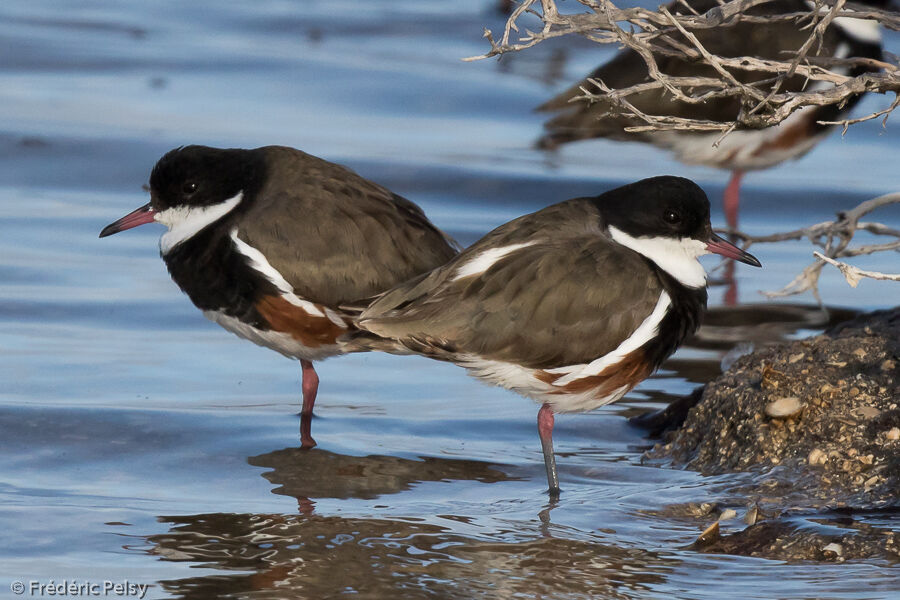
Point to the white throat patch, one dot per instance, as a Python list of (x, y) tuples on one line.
[(184, 222), (677, 257)]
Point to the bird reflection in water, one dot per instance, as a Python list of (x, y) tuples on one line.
[(258, 555), (310, 474)]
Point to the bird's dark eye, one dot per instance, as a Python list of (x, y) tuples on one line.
[(671, 216), (189, 188)]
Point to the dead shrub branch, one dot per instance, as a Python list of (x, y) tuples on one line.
[(833, 238), (656, 33)]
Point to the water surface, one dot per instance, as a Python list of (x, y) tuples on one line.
[(140, 442)]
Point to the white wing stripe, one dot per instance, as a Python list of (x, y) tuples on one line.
[(259, 263), (482, 262), (643, 334)]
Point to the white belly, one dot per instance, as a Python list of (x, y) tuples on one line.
[(280, 342)]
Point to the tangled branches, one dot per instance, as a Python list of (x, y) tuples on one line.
[(833, 238), (676, 31)]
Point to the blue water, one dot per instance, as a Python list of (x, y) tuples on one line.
[(140, 442)]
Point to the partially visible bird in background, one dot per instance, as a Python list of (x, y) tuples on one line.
[(744, 149)]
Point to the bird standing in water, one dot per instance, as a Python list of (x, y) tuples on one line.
[(572, 305), (269, 243)]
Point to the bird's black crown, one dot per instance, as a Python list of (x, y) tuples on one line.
[(665, 206), (202, 176)]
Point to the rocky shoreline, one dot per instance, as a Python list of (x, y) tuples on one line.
[(813, 427)]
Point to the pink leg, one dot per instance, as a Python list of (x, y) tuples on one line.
[(732, 199), (731, 205), (310, 387), (545, 431)]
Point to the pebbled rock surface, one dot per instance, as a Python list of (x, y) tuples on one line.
[(813, 426)]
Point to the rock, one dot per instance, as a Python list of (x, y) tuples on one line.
[(816, 457), (752, 515), (791, 540), (817, 433), (783, 408), (709, 536), (868, 412), (828, 428), (788, 539)]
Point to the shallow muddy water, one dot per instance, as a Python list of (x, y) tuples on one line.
[(140, 442)]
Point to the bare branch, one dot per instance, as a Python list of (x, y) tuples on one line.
[(846, 123), (834, 238), (657, 35), (852, 274), (662, 33)]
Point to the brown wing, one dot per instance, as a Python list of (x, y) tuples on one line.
[(571, 218), (337, 237), (548, 305)]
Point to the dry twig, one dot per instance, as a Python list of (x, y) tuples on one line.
[(853, 274), (833, 238), (659, 33)]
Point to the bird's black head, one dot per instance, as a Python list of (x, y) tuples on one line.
[(651, 211), (197, 176), (663, 206), (193, 186)]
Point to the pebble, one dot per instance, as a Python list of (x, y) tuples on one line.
[(833, 548), (727, 514), (752, 515), (701, 510), (869, 412), (817, 457), (893, 433), (784, 407), (710, 534)]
